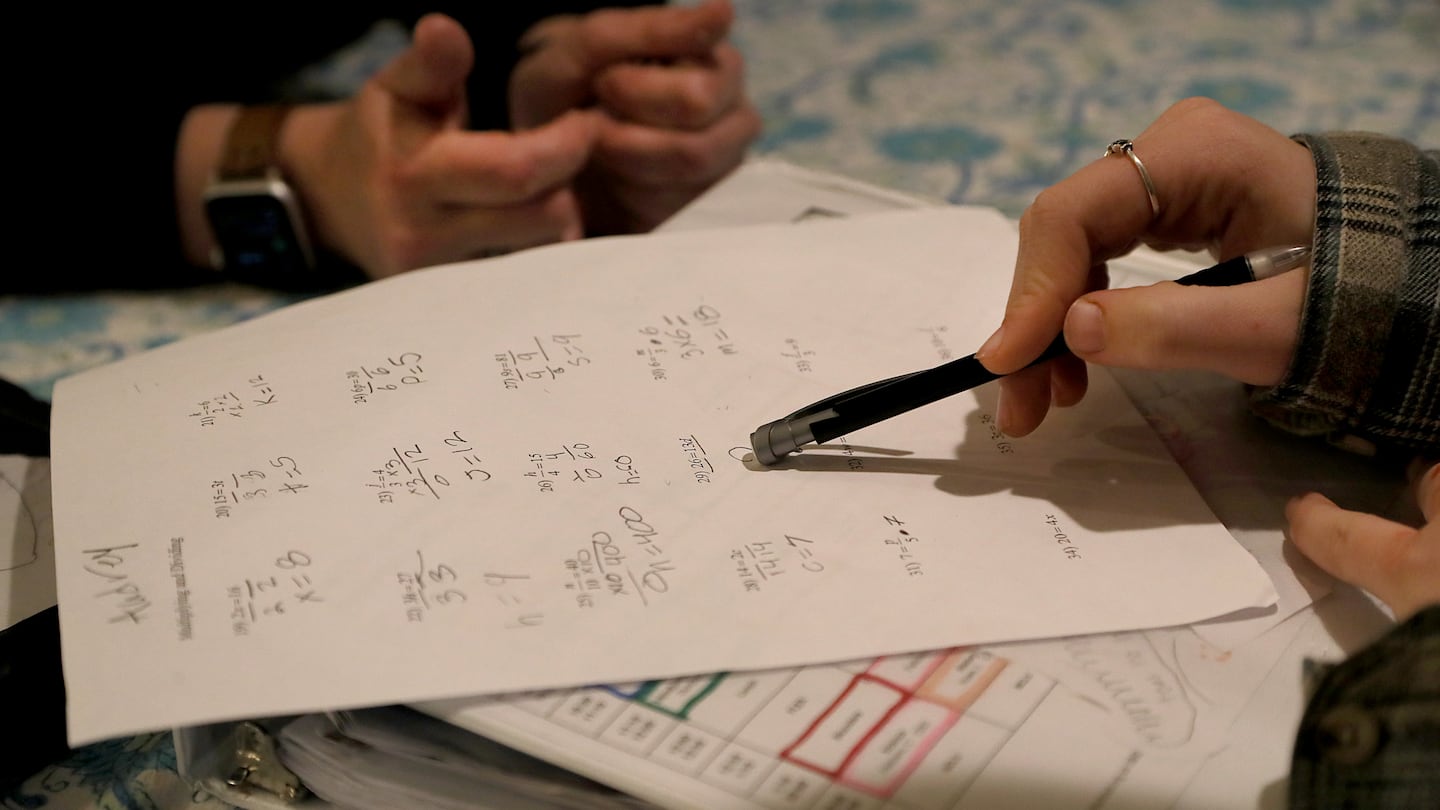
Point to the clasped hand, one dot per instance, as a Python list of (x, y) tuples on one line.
[(621, 116)]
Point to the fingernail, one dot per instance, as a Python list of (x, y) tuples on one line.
[(1085, 328), (990, 345)]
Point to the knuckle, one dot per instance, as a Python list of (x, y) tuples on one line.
[(598, 27), (698, 161), (403, 180), (694, 103), (1194, 106), (403, 248), (519, 177), (1043, 212), (687, 159), (1397, 555)]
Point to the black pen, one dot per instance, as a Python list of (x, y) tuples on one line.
[(878, 401)]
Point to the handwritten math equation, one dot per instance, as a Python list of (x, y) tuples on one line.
[(702, 471), (574, 463), (550, 358), (391, 375), (432, 588), (905, 545), (432, 470), (284, 588), (281, 476), (759, 562), (410, 469), (1002, 443), (802, 358), (683, 338), (256, 393), (1062, 538), (627, 562)]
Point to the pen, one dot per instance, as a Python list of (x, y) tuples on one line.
[(875, 402)]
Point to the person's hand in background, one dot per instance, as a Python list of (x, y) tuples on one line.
[(392, 180), (1399, 564), (670, 87), (1225, 182)]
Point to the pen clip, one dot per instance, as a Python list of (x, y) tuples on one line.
[(829, 403), (785, 435)]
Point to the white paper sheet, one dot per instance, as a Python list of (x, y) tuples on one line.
[(27, 542), (527, 473), (1253, 770)]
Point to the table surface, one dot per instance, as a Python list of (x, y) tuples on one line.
[(980, 102)]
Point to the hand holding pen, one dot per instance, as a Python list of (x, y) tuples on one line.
[(1207, 176), (1220, 180), (875, 402)]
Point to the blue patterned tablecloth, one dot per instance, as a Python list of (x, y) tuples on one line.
[(971, 101), (989, 102)]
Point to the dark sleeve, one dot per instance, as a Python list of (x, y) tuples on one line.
[(1367, 369), (96, 202), (97, 176), (98, 172), (1370, 734)]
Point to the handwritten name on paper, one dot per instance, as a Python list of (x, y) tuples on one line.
[(122, 596)]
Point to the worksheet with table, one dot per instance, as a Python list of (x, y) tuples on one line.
[(1111, 721)]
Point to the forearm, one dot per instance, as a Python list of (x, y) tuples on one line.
[(1368, 363), (198, 153)]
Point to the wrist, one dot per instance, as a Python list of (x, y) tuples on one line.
[(289, 165), (304, 150), (200, 143)]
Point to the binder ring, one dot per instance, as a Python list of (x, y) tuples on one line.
[(1126, 147)]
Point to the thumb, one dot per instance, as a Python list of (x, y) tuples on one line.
[(1247, 332), (432, 71)]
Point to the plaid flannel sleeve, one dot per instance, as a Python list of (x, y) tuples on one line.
[(1367, 367)]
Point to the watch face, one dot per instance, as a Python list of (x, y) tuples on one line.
[(257, 235)]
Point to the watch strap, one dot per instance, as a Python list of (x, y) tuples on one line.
[(251, 148), (250, 154)]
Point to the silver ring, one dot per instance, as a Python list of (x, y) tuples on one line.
[(1127, 147)]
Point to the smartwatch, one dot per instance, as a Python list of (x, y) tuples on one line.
[(256, 218)]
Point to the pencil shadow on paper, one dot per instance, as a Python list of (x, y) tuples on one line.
[(1127, 491), (1100, 495)]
